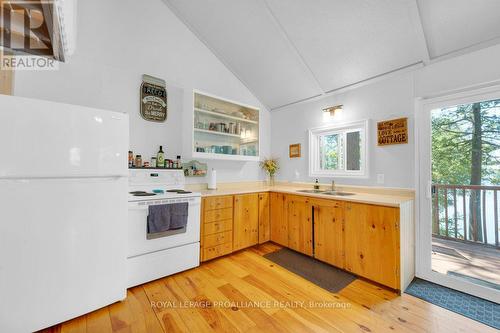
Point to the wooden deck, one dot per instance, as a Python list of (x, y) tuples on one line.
[(474, 262), (245, 277)]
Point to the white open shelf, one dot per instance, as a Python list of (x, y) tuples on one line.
[(217, 133), (225, 116), (237, 134), (228, 157)]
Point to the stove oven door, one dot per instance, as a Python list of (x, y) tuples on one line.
[(140, 242)]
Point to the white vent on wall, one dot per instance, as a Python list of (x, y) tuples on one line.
[(66, 11)]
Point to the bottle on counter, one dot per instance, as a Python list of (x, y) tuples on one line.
[(178, 162), (153, 162), (138, 161), (130, 159), (160, 158)]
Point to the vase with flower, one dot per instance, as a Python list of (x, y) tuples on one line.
[(271, 166)]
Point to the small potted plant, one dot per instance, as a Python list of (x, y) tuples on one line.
[(271, 166)]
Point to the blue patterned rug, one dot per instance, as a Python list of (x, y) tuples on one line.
[(469, 306)]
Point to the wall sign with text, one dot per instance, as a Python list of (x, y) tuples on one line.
[(153, 99), (392, 132)]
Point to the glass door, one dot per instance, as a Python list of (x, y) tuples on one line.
[(459, 177)]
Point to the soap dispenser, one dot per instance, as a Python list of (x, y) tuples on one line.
[(316, 184)]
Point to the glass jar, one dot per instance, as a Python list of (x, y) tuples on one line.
[(138, 161)]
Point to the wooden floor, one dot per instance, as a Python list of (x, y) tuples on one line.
[(223, 290), (466, 260)]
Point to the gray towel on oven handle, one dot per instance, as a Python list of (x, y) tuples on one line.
[(179, 215), (159, 218)]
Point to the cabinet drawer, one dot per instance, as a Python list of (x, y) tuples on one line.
[(218, 239), (218, 202), (218, 215), (217, 251), (218, 226)]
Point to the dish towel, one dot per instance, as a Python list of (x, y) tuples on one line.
[(159, 218), (163, 218), (179, 215)]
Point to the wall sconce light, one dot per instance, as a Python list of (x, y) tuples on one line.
[(332, 110)]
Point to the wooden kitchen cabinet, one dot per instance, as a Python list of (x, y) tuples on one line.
[(264, 218), (279, 223), (218, 202), (361, 238), (372, 244), (216, 227), (246, 221), (300, 227), (329, 231)]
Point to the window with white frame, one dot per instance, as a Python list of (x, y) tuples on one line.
[(339, 150)]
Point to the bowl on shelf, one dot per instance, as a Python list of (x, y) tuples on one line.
[(216, 149)]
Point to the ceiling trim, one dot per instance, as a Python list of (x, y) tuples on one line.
[(466, 50), (216, 54), (307, 99), (373, 79), (419, 29), (292, 46)]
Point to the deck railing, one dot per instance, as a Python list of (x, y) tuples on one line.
[(466, 213)]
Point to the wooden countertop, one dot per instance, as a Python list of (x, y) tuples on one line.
[(383, 199)]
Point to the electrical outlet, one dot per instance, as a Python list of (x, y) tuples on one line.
[(380, 178)]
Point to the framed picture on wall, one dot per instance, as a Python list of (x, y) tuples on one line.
[(294, 150)]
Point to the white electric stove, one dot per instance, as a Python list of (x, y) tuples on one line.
[(152, 256)]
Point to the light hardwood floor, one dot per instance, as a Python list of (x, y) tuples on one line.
[(223, 287)]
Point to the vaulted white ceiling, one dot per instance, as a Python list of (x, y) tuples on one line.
[(287, 51)]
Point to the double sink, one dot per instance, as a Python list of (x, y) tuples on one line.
[(339, 193)]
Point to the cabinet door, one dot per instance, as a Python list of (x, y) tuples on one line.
[(329, 232), (264, 226), (372, 242), (299, 215), (279, 224), (246, 221)]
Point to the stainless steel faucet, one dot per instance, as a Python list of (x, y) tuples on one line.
[(333, 185)]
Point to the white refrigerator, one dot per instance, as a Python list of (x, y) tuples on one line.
[(63, 211)]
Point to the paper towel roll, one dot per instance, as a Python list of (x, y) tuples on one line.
[(212, 180)]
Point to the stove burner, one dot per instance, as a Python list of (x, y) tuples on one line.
[(142, 194), (179, 191)]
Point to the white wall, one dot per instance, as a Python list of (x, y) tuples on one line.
[(386, 99), (391, 98), (118, 41)]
